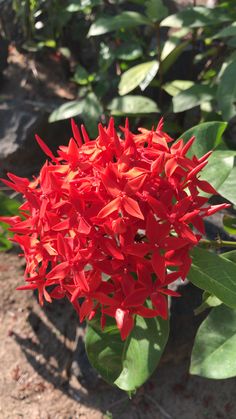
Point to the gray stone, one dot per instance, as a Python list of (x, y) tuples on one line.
[(19, 151)]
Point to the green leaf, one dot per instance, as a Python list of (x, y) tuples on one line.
[(213, 353), (156, 10), (214, 274), (192, 97), (208, 137), (113, 23), (226, 32), (218, 169), (196, 17), (130, 105), (176, 86), (230, 256), (89, 108), (226, 93), (139, 75), (129, 52), (67, 110), (229, 223), (92, 112), (130, 363)]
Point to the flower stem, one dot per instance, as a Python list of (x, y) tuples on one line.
[(216, 244)]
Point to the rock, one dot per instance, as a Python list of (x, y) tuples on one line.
[(3, 55), (19, 151)]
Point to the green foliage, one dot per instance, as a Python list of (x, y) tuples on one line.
[(156, 10), (226, 93), (196, 17), (8, 207), (228, 189), (193, 96), (132, 105), (214, 274), (89, 108), (130, 363), (213, 353)]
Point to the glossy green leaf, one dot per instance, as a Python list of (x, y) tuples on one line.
[(230, 256), (196, 17), (192, 97), (214, 274), (218, 169), (208, 137), (156, 10), (132, 105), (226, 94), (130, 363), (213, 353), (113, 23), (139, 75), (176, 86)]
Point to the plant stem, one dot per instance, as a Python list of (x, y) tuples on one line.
[(216, 244)]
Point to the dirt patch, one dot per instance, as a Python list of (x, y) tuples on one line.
[(37, 379)]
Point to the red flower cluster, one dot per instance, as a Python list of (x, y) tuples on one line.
[(109, 223)]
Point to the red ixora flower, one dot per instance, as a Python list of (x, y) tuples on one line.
[(109, 223)]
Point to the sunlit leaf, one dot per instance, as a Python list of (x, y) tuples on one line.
[(139, 75)]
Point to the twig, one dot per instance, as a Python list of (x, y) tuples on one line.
[(159, 407), (216, 244)]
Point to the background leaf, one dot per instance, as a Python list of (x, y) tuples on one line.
[(130, 363), (176, 86), (192, 97), (196, 17), (113, 23), (213, 353), (228, 31), (226, 93), (141, 74), (132, 105), (156, 10), (89, 108)]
